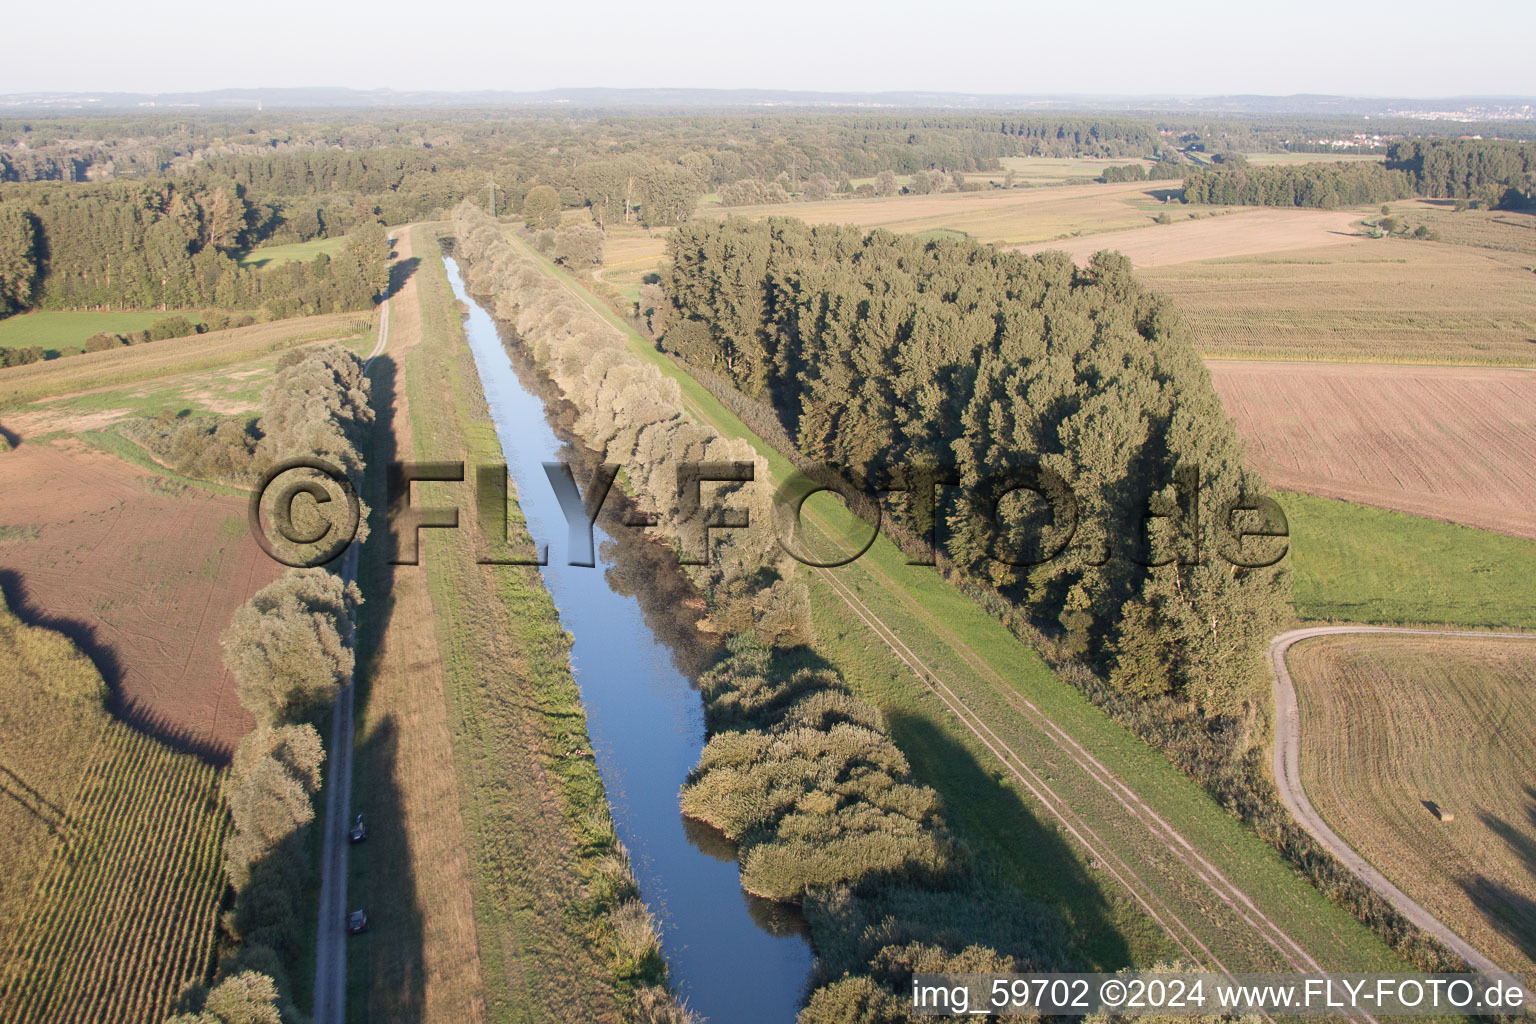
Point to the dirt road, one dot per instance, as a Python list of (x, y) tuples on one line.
[(330, 934), (1287, 766)]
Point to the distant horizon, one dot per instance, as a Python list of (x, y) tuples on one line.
[(319, 87), (1116, 48), (1461, 108)]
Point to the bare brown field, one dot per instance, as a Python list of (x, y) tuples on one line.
[(1006, 217), (1451, 443), (1245, 232), (143, 574), (1368, 300), (1421, 753)]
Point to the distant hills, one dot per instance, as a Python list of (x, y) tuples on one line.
[(1467, 108)]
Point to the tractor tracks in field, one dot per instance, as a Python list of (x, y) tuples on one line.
[(1287, 768)]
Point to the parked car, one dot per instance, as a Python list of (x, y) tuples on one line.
[(357, 922), (358, 832)]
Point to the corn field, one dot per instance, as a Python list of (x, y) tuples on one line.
[(125, 913)]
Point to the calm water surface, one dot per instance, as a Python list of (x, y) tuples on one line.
[(735, 960)]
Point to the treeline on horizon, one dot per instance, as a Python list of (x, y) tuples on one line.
[(1493, 173)]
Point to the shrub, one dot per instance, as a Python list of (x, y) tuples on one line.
[(290, 646)]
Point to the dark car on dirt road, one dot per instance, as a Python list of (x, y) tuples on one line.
[(358, 832), (357, 922)]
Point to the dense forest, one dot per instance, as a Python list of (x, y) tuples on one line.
[(1497, 173), (166, 244), (883, 353)]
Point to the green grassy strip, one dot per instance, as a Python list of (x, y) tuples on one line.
[(1354, 563), (930, 735)]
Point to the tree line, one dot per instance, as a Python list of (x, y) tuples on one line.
[(1325, 186), (1496, 173), (135, 245), (290, 649)]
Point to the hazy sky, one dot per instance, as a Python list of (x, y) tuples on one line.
[(1403, 48)]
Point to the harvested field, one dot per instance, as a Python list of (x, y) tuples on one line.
[(1508, 230), (142, 573), (1008, 217), (1451, 443), (1418, 751), (1370, 300), (1247, 232)]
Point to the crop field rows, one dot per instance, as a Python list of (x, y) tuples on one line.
[(125, 914), (1419, 751), (1373, 300)]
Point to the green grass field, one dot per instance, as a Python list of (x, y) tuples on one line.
[(1354, 563), (64, 333), (273, 255), (973, 651)]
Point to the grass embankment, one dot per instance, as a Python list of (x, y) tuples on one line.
[(543, 862), (1354, 563), (1005, 683), (111, 843), (1422, 752)]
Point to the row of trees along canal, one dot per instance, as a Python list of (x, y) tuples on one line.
[(798, 771)]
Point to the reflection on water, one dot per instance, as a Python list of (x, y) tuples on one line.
[(733, 957)]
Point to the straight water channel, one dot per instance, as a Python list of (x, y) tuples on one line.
[(734, 959)]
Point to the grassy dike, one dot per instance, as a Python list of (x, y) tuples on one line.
[(542, 862), (1006, 683)]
